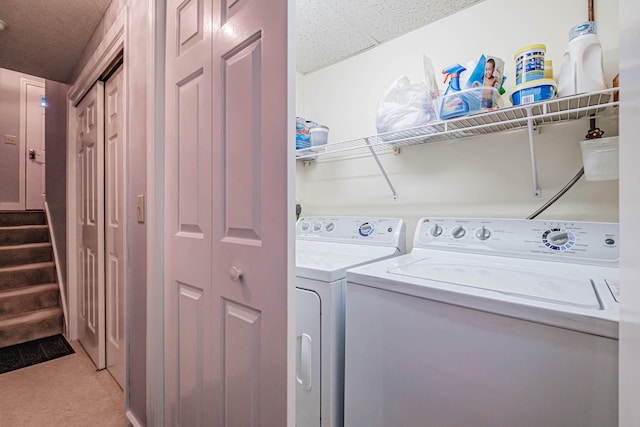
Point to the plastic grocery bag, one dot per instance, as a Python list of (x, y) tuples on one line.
[(404, 105)]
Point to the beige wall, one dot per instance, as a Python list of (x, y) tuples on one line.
[(487, 176), (56, 170)]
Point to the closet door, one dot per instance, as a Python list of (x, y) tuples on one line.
[(250, 217), (115, 225), (90, 188), (190, 313), (226, 213)]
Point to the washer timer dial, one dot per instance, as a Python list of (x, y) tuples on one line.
[(558, 239), (366, 229)]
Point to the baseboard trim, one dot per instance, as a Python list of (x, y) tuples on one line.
[(56, 258), (133, 421)]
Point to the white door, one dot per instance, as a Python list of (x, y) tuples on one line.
[(226, 213), (33, 131), (90, 188), (189, 305), (115, 224)]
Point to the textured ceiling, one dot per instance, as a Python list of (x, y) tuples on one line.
[(45, 38), (328, 31)]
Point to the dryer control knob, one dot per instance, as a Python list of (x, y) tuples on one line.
[(458, 232), (436, 230), (305, 226), (483, 233), (317, 226), (330, 227)]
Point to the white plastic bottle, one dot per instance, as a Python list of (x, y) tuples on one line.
[(582, 70)]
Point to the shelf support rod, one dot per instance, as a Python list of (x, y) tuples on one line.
[(532, 151), (384, 172)]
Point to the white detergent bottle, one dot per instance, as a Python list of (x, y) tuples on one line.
[(582, 70)]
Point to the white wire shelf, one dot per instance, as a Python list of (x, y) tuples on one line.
[(587, 105)]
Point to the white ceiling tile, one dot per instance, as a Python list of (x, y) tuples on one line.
[(323, 25), (324, 37), (384, 19)]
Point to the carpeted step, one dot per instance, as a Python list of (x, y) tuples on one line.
[(14, 218), (29, 274), (25, 254), (15, 329), (28, 298), (23, 234)]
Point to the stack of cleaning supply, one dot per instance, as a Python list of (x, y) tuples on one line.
[(533, 83), (303, 137), (475, 91), (454, 103)]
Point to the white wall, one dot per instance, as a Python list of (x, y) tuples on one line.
[(484, 176)]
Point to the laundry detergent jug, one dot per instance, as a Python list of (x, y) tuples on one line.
[(581, 69)]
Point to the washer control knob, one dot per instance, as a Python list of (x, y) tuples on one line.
[(483, 233), (458, 232), (330, 227), (436, 230), (317, 226), (366, 229), (558, 238), (305, 226)]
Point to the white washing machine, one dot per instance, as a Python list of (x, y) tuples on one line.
[(325, 248), (487, 322)]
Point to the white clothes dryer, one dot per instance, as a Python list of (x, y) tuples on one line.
[(487, 322), (325, 248)]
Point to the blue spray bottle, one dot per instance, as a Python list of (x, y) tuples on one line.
[(453, 105)]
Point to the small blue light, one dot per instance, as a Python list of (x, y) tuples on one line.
[(43, 102)]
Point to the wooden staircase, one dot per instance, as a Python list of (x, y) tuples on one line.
[(29, 295)]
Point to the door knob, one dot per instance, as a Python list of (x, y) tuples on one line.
[(235, 274), (32, 154)]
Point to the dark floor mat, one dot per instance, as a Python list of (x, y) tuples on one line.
[(33, 352)]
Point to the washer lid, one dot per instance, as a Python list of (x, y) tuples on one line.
[(556, 287), (329, 262)]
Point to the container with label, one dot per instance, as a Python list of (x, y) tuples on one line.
[(581, 69), (530, 63)]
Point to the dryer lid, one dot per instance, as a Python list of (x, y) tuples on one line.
[(328, 262)]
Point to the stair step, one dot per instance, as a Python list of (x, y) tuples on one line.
[(25, 254), (18, 328), (23, 234), (28, 274), (29, 298), (13, 218)]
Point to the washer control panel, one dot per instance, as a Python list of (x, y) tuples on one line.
[(345, 229), (571, 241)]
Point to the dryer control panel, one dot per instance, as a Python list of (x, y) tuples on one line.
[(357, 230), (568, 241)]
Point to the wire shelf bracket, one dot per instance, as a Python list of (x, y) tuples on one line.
[(528, 116)]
